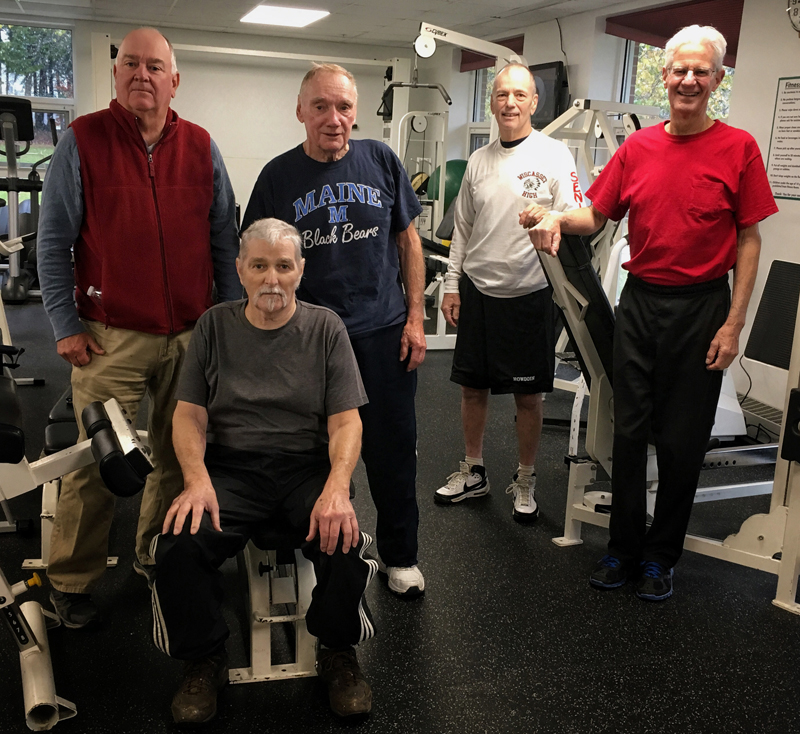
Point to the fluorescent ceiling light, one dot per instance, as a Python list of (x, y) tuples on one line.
[(273, 15)]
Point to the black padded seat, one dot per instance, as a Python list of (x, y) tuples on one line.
[(273, 535), (62, 411), (576, 259), (59, 436)]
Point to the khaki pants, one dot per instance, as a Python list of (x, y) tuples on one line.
[(134, 363)]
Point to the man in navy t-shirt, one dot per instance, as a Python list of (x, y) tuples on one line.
[(354, 206)]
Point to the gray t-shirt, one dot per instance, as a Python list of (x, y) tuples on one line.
[(270, 390)]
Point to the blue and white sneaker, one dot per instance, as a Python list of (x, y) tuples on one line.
[(461, 485), (655, 583), (609, 573)]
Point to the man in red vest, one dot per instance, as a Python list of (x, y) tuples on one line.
[(143, 200)]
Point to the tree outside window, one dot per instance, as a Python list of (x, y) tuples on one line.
[(37, 63)]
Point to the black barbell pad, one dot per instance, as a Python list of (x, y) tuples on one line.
[(95, 419)]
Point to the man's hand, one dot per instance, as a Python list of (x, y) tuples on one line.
[(413, 340), (78, 348), (333, 513), (451, 307), (546, 235), (198, 497), (724, 348), (532, 215)]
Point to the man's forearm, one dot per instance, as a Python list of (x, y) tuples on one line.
[(744, 275), (189, 441), (581, 221), (412, 272), (344, 447)]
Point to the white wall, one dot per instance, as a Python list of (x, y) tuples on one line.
[(769, 48), (254, 119)]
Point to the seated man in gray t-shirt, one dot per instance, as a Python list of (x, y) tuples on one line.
[(266, 426)]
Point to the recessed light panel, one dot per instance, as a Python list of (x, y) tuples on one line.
[(274, 15)]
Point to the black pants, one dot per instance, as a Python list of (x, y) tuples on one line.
[(389, 442), (662, 386), (251, 488)]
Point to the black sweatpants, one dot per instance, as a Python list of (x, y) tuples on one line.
[(389, 442), (662, 386), (251, 488)]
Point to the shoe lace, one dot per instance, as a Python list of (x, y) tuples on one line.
[(610, 562), (199, 675), (653, 570), (341, 662), (522, 485), (458, 476)]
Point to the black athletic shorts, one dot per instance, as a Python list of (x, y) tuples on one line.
[(505, 344)]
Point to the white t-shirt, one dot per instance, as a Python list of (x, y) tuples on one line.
[(489, 245)]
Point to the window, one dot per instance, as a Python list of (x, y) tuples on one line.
[(642, 82), (484, 79), (36, 63), (477, 139), (478, 130)]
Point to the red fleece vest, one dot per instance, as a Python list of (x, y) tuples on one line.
[(145, 238)]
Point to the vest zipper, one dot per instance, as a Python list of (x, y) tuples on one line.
[(167, 300)]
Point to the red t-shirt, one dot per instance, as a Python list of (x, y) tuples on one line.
[(687, 197)]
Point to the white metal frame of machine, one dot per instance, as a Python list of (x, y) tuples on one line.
[(17, 479), (425, 47), (271, 583), (582, 127), (28, 624)]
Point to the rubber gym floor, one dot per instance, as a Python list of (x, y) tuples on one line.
[(509, 636)]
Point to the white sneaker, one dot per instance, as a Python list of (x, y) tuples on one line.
[(463, 484), (405, 581), (525, 507)]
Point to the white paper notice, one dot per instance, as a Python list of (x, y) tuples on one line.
[(783, 163)]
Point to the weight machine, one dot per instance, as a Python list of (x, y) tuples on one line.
[(16, 118), (124, 463)]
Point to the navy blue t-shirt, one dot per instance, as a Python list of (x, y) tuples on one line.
[(348, 213)]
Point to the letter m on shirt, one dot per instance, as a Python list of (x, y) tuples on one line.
[(337, 214), (303, 207)]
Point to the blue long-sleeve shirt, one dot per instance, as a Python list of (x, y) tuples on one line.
[(60, 222)]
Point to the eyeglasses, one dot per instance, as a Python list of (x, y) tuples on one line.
[(699, 73)]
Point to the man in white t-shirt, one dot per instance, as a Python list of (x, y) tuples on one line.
[(496, 291)]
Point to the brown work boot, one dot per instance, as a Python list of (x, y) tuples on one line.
[(196, 699), (348, 691)]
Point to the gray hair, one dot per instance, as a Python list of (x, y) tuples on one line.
[(173, 60), (515, 65), (705, 35), (272, 231), (317, 69)]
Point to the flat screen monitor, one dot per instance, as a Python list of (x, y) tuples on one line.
[(553, 90)]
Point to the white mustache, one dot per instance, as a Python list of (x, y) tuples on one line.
[(272, 290)]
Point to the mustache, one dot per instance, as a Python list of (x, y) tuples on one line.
[(272, 290)]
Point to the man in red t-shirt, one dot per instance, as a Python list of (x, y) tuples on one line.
[(694, 190)]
